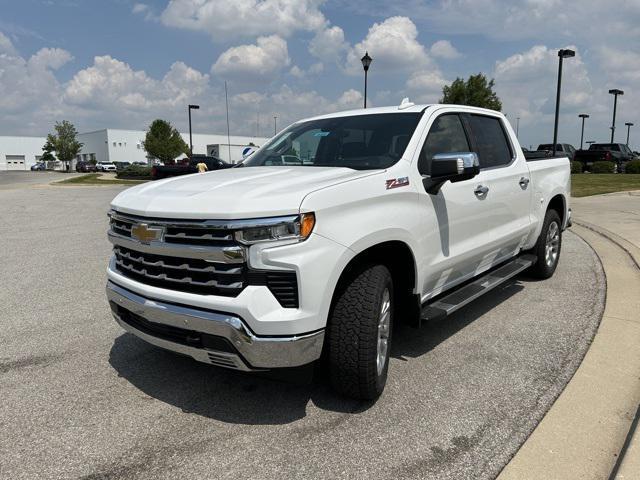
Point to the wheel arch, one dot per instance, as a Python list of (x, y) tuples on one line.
[(399, 258), (559, 204)]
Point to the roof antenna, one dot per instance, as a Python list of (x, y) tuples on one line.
[(405, 104)]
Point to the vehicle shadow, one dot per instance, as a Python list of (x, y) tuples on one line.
[(413, 342), (267, 399)]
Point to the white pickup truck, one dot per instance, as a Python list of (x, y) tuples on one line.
[(336, 229)]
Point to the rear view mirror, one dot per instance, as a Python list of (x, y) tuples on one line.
[(455, 167)]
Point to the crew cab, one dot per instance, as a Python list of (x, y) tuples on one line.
[(618, 153), (392, 214), (546, 150)]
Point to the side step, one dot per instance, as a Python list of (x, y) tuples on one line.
[(459, 298)]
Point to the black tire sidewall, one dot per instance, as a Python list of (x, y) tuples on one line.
[(542, 270)]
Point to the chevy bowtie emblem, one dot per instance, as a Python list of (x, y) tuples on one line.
[(145, 233)]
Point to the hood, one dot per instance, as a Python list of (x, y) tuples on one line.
[(234, 193)]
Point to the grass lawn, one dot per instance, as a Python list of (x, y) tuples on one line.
[(93, 179), (585, 184)]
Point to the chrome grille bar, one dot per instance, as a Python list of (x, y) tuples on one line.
[(185, 280), (183, 266)]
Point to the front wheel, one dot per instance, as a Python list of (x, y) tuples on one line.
[(359, 334), (547, 248)]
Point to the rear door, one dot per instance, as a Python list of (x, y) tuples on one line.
[(505, 174)]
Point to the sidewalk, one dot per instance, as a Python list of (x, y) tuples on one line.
[(589, 431)]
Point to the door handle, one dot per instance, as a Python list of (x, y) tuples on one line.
[(481, 190), (524, 182)]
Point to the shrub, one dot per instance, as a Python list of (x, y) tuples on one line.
[(576, 167), (633, 167), (603, 167), (136, 172)]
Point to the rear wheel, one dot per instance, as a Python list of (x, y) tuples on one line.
[(547, 248), (359, 333)]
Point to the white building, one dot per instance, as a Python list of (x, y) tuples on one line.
[(19, 153), (126, 145), (114, 145)]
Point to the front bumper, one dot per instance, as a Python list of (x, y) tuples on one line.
[(216, 338)]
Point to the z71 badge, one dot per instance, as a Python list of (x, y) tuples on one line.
[(397, 182)]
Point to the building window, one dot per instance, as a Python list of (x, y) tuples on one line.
[(114, 144), (120, 144)]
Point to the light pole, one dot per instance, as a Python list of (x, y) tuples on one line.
[(590, 142), (275, 125), (615, 92), (629, 125), (517, 127), (562, 54), (191, 107), (366, 62), (582, 116)]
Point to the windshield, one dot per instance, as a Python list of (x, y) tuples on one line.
[(549, 146), (605, 146), (360, 142)]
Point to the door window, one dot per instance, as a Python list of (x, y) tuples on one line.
[(446, 135), (492, 146)]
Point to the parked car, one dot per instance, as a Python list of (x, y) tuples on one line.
[(40, 166), (562, 149), (618, 153), (188, 166), (85, 167), (106, 167), (121, 165), (406, 214)]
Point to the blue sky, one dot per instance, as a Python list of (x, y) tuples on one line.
[(122, 63)]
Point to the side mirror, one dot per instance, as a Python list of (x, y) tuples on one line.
[(455, 167)]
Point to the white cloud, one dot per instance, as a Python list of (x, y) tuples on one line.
[(314, 69), (426, 86), (393, 45), (111, 84), (444, 49), (328, 44), (268, 56), (53, 58), (225, 19), (6, 46), (140, 8)]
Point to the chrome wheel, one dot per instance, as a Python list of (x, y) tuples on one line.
[(384, 325), (552, 244)]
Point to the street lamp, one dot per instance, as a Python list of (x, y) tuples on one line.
[(629, 125), (191, 107), (615, 92), (366, 62), (275, 124), (562, 54), (590, 142), (518, 127), (582, 116)]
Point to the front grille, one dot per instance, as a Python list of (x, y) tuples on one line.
[(195, 275), (183, 274), (187, 234)]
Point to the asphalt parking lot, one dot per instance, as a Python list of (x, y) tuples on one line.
[(82, 399)]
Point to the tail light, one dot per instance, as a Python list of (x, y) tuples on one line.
[(607, 156)]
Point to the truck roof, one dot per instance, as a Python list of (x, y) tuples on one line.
[(410, 108)]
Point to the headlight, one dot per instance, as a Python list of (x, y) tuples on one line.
[(282, 228)]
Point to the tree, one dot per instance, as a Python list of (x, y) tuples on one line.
[(476, 91), (64, 142), (163, 142), (47, 155)]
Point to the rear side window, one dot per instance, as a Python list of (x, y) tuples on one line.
[(492, 146), (446, 135)]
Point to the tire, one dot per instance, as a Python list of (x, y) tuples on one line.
[(355, 325), (548, 247)]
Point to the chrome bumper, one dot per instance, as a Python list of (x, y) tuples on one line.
[(253, 352)]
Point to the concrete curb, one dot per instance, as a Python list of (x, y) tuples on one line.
[(583, 433)]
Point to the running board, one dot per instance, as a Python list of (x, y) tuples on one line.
[(469, 292)]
